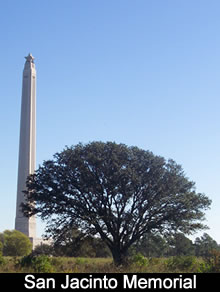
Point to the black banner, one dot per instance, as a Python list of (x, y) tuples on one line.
[(110, 282)]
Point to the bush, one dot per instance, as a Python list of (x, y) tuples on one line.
[(139, 260), (16, 243), (39, 264), (211, 263), (182, 263), (43, 249)]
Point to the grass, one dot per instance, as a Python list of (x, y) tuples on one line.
[(104, 265)]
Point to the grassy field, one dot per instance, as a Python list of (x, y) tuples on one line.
[(103, 265)]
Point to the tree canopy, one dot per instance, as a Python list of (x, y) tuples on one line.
[(205, 244), (114, 191), (15, 243)]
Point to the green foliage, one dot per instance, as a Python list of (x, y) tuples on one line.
[(181, 263), (44, 249), (16, 243), (105, 265), (115, 191), (80, 261), (204, 245), (215, 261), (2, 261), (1, 248), (39, 264), (139, 260), (151, 245), (42, 264), (180, 245), (211, 263), (77, 244)]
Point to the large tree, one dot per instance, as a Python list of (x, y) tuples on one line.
[(117, 192), (15, 243)]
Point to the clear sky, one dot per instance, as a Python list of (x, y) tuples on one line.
[(141, 72)]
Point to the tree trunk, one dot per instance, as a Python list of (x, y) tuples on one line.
[(120, 256)]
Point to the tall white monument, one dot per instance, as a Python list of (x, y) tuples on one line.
[(27, 146)]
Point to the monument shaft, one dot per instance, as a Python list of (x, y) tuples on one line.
[(27, 145)]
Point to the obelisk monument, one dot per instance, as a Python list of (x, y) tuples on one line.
[(27, 145)]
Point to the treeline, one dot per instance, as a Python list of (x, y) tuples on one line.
[(149, 246), (76, 244), (177, 245)]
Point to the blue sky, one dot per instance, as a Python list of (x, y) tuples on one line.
[(140, 72)]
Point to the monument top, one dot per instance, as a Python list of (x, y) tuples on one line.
[(30, 58)]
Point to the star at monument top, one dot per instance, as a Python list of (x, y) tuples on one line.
[(30, 58)]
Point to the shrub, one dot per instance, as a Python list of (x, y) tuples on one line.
[(44, 249), (204, 268), (139, 260), (39, 264), (42, 264), (16, 243), (183, 263), (212, 262)]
